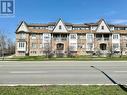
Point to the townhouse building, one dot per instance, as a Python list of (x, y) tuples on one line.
[(64, 38)]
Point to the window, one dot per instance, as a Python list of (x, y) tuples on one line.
[(89, 36), (69, 27), (21, 44), (76, 28), (47, 37), (50, 27), (73, 36), (41, 36), (41, 45), (87, 28), (33, 36), (73, 47), (93, 27), (34, 52), (81, 36), (115, 46), (122, 28), (60, 27), (90, 46), (46, 46), (102, 27), (115, 36), (116, 28), (22, 36), (33, 45), (111, 28)]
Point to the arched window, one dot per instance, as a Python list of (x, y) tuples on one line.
[(60, 46)]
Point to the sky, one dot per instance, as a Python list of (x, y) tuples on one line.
[(74, 11)]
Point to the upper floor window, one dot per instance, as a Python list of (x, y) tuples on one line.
[(111, 28), (93, 27), (72, 36), (21, 44), (89, 36), (69, 27), (41, 36), (76, 28), (82, 36), (22, 35), (47, 36), (116, 36), (102, 27), (33, 36), (60, 27), (50, 27)]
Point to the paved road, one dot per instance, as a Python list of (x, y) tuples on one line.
[(63, 72)]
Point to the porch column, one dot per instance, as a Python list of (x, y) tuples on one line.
[(103, 37)]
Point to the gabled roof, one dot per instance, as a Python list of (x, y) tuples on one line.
[(36, 30), (99, 23), (20, 25), (58, 22)]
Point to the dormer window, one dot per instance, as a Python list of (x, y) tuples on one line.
[(60, 27), (102, 27)]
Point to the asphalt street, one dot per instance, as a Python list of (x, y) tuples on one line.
[(63, 72)]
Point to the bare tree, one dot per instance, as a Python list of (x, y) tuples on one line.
[(2, 44), (7, 46), (10, 46)]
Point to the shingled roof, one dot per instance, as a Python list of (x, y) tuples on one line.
[(73, 25)]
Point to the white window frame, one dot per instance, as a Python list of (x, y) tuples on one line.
[(73, 36), (116, 48), (73, 47), (33, 35), (90, 46), (21, 46), (115, 37), (47, 37), (89, 38), (22, 35)]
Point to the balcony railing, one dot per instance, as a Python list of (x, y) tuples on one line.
[(102, 39), (60, 39)]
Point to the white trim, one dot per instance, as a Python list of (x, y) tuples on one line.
[(23, 27), (63, 27)]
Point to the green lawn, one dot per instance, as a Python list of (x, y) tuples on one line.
[(76, 58), (63, 90)]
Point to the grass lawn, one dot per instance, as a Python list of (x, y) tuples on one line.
[(77, 58), (62, 90)]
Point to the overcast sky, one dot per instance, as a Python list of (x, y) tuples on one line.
[(74, 11)]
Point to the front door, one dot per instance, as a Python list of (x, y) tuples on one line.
[(103, 46), (60, 46)]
